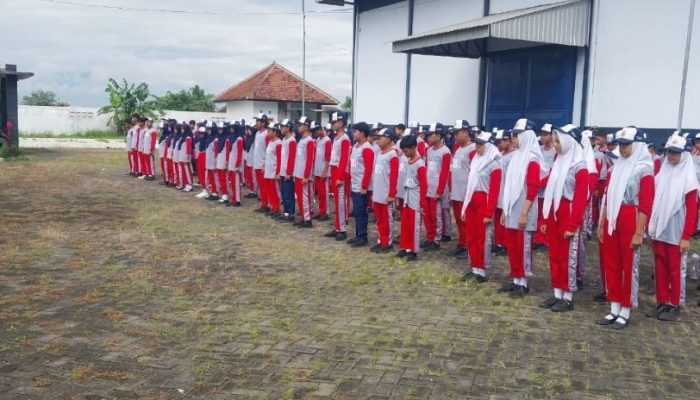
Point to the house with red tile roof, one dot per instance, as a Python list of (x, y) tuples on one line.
[(277, 92)]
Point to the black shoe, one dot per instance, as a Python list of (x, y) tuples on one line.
[(229, 204), (670, 314), (462, 255), (162, 183), (499, 251), (657, 311), (424, 243), (446, 239), (480, 278), (411, 257), (351, 241), (519, 291), (297, 223), (548, 302), (563, 305), (432, 246), (251, 196), (620, 323), (467, 276), (507, 287), (397, 240), (456, 251), (601, 297), (323, 218), (288, 218), (374, 248), (384, 249), (305, 224), (579, 283), (331, 234), (607, 321), (359, 243), (316, 217), (402, 253), (275, 216), (341, 236), (237, 204)]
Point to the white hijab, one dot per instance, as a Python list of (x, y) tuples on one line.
[(588, 154), (673, 182), (528, 147), (479, 162), (624, 169), (571, 154)]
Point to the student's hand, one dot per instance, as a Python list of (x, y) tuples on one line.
[(305, 181), (338, 183), (389, 200), (543, 229), (277, 177), (503, 219), (522, 220), (684, 245), (363, 192), (636, 240), (600, 233), (568, 235), (287, 177), (488, 221)]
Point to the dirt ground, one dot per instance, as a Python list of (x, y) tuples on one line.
[(112, 287)]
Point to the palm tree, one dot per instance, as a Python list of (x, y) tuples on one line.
[(126, 100)]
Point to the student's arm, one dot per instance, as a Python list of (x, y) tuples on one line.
[(291, 158), (494, 190), (444, 174), (239, 152), (368, 160), (393, 177), (423, 183), (227, 149), (342, 170), (278, 154), (327, 157), (532, 187), (579, 203), (646, 202), (691, 218), (310, 155)]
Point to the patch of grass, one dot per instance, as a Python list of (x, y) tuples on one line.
[(117, 268), (90, 134), (143, 360), (202, 369), (317, 367), (287, 325), (43, 382), (429, 276), (114, 375), (91, 297), (12, 153), (82, 372), (113, 315), (365, 276), (431, 370), (183, 304)]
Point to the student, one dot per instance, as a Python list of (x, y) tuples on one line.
[(248, 150), (303, 168), (401, 131), (170, 155), (340, 177), (184, 151), (210, 162), (222, 157), (261, 138), (200, 155), (628, 204), (565, 199), (586, 230), (288, 160), (439, 158), (671, 226), (376, 149), (140, 132), (415, 190), (417, 130), (162, 145), (655, 157), (235, 161), (273, 165), (479, 206), (385, 178), (459, 173), (361, 167), (321, 171), (548, 155), (520, 205), (507, 148), (129, 148)]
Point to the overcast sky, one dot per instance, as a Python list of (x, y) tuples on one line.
[(74, 49)]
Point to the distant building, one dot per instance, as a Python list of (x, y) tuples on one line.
[(276, 91)]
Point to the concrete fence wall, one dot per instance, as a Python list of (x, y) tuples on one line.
[(66, 120)]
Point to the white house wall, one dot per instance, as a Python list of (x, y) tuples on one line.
[(380, 74), (241, 109), (443, 88), (268, 107)]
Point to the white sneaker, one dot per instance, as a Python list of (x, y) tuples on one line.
[(187, 188), (203, 194), (142, 177), (224, 197)]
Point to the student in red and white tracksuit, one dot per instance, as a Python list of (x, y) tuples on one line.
[(459, 174), (260, 146), (139, 147), (169, 155), (322, 159), (507, 148), (248, 151), (415, 184), (628, 205), (385, 179), (129, 149), (210, 163), (548, 155), (224, 152), (565, 200), (361, 168), (438, 158), (303, 177), (184, 150), (150, 137), (520, 206), (340, 178), (479, 206), (235, 161), (400, 131), (289, 154), (273, 166), (586, 230), (162, 144), (671, 226)]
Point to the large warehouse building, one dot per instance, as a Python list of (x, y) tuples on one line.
[(607, 63)]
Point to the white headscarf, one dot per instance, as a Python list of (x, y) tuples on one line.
[(588, 154), (571, 154), (624, 169), (528, 148), (479, 162), (673, 182)]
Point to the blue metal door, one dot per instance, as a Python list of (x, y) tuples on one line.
[(537, 84)]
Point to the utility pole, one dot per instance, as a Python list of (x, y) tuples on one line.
[(303, 59), (688, 39)]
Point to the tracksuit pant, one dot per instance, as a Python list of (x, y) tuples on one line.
[(499, 230), (171, 171), (434, 220), (321, 185), (563, 252), (621, 261), (131, 161), (539, 237), (201, 169), (248, 176), (582, 247), (186, 174), (305, 198), (288, 195), (341, 200), (385, 223), (518, 244), (479, 235), (139, 162), (234, 184), (147, 161), (223, 187), (260, 178), (461, 225), (273, 194), (359, 211), (410, 229), (669, 273), (212, 182)]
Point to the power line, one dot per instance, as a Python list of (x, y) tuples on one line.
[(174, 11)]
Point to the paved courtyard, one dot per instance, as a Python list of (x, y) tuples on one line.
[(115, 288)]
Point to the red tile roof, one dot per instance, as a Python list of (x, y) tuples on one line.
[(274, 83)]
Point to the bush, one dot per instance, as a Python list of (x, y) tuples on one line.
[(11, 152)]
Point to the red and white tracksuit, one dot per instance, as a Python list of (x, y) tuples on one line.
[(235, 160), (437, 221), (210, 165), (273, 166), (185, 161), (303, 168), (259, 150), (385, 176), (549, 156), (162, 146), (150, 136), (340, 180), (459, 173), (415, 184), (223, 154), (483, 205), (322, 159), (519, 241)]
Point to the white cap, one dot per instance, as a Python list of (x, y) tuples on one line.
[(676, 143), (161, 124), (587, 133), (566, 128), (271, 125), (303, 119), (548, 128), (483, 137), (202, 129), (459, 124), (313, 125), (209, 124), (285, 121), (329, 126), (413, 124), (498, 133)]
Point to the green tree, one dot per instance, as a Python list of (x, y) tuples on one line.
[(193, 99), (126, 100), (42, 98), (347, 104)]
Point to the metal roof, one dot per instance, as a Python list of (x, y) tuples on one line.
[(12, 70), (564, 23)]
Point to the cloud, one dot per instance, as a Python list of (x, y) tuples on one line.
[(73, 50)]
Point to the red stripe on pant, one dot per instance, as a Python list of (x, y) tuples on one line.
[(139, 162), (211, 182), (381, 211), (342, 206), (539, 237), (322, 194), (273, 194), (233, 181), (430, 219), (186, 169), (515, 246), (499, 230), (667, 273), (134, 161), (146, 160), (248, 177), (476, 229), (178, 175), (221, 173), (408, 240), (619, 256), (461, 225), (171, 171), (559, 246), (305, 198), (201, 169), (264, 197)]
